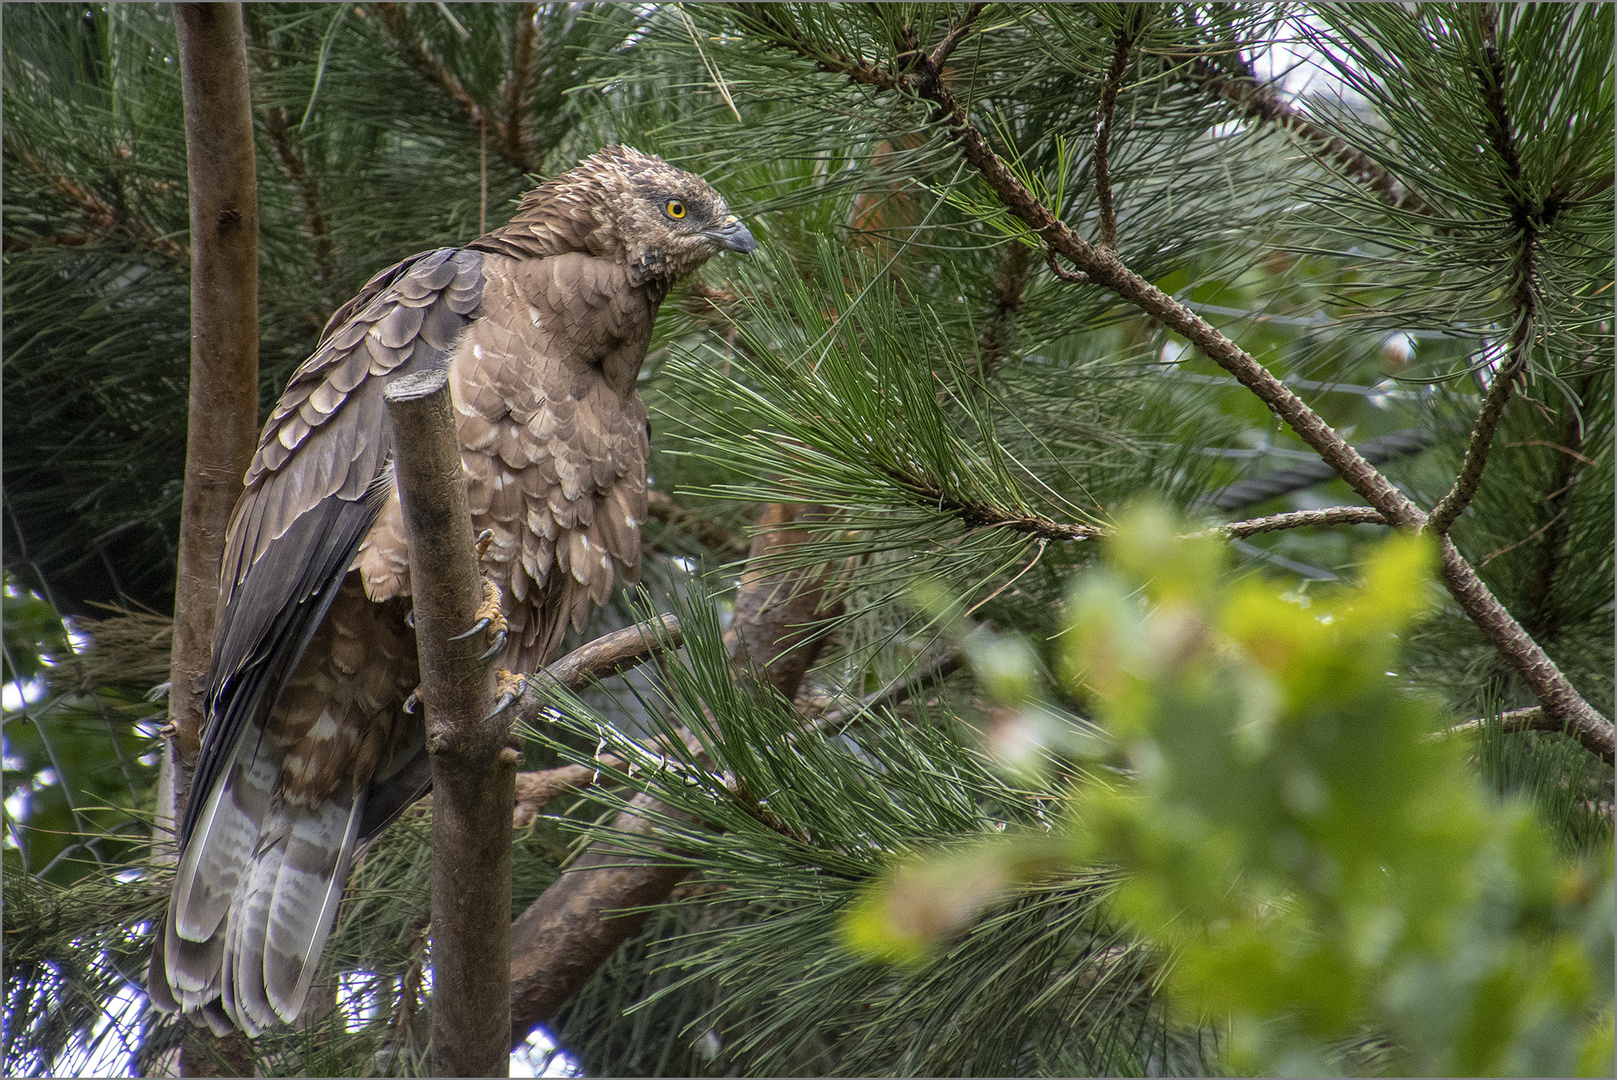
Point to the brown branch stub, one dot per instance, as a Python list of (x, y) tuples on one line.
[(473, 782)]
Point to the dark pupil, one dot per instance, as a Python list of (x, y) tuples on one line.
[(676, 208)]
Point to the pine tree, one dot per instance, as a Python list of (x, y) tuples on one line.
[(1016, 264)]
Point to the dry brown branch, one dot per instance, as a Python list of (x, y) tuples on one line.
[(473, 765), (579, 922)]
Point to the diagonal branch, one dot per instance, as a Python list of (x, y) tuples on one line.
[(601, 900), (1553, 690), (1303, 519), (1260, 101), (956, 34)]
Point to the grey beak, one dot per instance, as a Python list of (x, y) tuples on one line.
[(734, 236)]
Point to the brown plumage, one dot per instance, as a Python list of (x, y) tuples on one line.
[(543, 325)]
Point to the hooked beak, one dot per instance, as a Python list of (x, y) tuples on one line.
[(734, 236)]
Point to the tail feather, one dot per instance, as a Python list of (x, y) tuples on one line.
[(307, 893), (223, 842), (249, 925)]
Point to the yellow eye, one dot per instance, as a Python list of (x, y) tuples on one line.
[(675, 208)]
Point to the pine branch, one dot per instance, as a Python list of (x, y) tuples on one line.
[(99, 213), (603, 898), (1491, 78), (1260, 101), (518, 88), (1303, 519), (955, 35), (432, 70), (1123, 47), (919, 78)]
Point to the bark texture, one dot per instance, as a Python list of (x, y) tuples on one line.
[(473, 772), (223, 405)]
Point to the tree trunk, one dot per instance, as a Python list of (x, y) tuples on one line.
[(223, 420)]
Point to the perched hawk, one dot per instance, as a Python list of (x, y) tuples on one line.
[(543, 325)]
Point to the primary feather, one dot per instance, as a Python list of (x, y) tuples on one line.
[(542, 326)]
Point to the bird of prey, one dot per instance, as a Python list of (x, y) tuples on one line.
[(310, 748)]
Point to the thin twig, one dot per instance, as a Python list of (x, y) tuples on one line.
[(1302, 519), (956, 34), (1103, 132), (1491, 79), (1260, 101), (1512, 547)]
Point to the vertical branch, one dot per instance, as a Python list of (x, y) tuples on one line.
[(223, 410), (1103, 130), (1491, 80), (518, 87), (473, 768), (223, 423)]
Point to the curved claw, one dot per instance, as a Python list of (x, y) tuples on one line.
[(477, 628), (493, 650), (412, 701), (504, 702)]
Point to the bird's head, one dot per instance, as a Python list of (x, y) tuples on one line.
[(623, 204)]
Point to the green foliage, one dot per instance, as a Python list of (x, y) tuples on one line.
[(897, 353), (746, 974), (1288, 829)]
